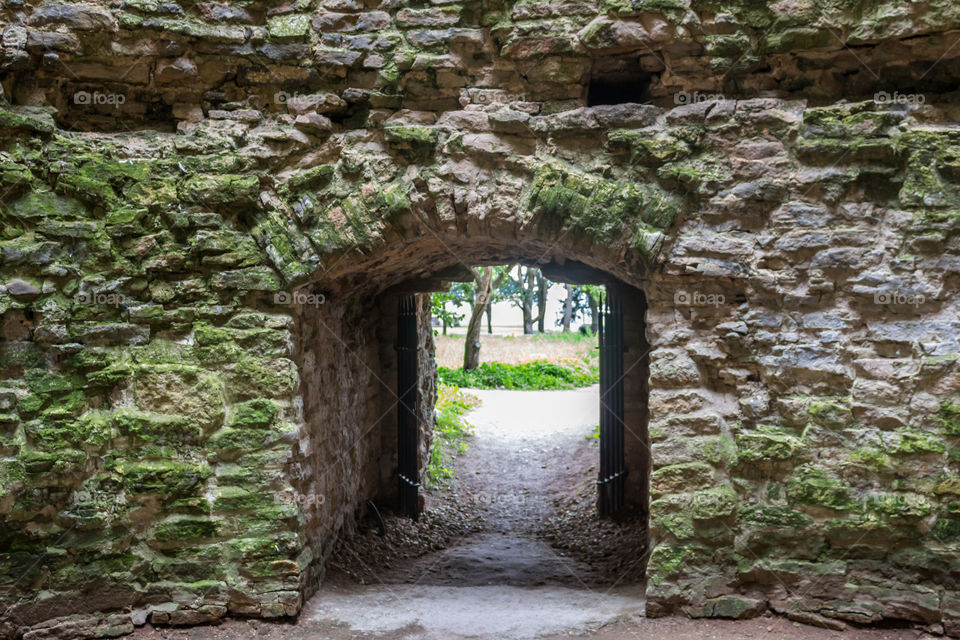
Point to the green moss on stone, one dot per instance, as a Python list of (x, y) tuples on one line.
[(311, 178), (229, 439), (899, 505), (775, 517), (685, 476), (157, 427), (769, 445), (671, 559), (829, 411), (720, 502), (180, 390), (872, 459), (45, 205), (92, 429), (166, 477), (417, 142), (289, 26), (43, 382), (281, 545), (811, 486), (946, 530), (230, 499), (604, 210), (184, 528), (252, 378), (949, 417), (253, 414), (221, 190), (27, 119), (21, 354), (916, 442)]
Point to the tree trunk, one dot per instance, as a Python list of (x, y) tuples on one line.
[(490, 319), (541, 301), (471, 345), (568, 308), (528, 284), (594, 314), (444, 325)]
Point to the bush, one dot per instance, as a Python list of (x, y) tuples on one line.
[(528, 375), (450, 432)]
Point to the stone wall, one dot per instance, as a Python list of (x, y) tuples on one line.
[(181, 420)]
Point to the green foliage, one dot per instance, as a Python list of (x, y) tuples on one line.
[(539, 375), (450, 432), (438, 305)]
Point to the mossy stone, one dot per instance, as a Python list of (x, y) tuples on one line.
[(720, 502), (811, 486)]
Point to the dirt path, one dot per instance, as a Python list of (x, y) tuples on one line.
[(529, 449)]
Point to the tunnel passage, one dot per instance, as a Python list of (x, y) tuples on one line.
[(401, 283), (371, 454), (624, 361)]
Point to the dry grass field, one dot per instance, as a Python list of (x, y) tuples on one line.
[(553, 347)]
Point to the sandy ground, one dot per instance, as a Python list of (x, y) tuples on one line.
[(513, 349), (504, 580)]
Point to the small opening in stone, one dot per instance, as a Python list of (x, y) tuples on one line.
[(618, 81), (617, 92)]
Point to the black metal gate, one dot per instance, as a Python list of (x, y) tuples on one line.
[(408, 433), (612, 474)]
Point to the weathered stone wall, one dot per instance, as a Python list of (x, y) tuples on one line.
[(179, 441)]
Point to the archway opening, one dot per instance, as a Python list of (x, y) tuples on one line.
[(363, 304)]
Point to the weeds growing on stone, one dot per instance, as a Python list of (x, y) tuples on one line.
[(450, 432)]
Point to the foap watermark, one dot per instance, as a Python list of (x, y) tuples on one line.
[(100, 299), (682, 97), (896, 97), (304, 499), (698, 299), (299, 299), (899, 298), (295, 100), (99, 99)]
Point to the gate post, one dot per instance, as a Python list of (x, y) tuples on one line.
[(408, 440)]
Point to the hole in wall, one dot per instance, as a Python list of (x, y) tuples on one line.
[(618, 80)]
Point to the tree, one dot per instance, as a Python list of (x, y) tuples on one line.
[(567, 308), (484, 286), (594, 295), (458, 294), (526, 290), (543, 285), (583, 299)]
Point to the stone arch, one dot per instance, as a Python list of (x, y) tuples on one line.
[(354, 324)]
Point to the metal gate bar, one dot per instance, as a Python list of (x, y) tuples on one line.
[(408, 435), (610, 482)]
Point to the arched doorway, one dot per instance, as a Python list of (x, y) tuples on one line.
[(355, 334)]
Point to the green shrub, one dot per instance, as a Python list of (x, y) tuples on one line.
[(529, 375)]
